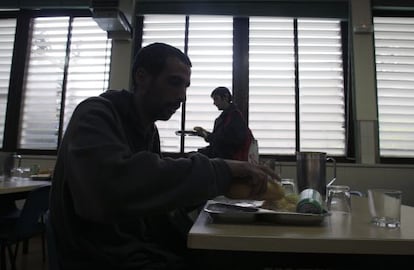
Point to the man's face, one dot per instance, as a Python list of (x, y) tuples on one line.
[(163, 95)]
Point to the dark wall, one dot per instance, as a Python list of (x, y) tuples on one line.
[(29, 4)]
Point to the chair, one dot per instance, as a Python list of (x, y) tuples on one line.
[(29, 223)]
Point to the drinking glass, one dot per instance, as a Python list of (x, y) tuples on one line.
[(289, 186), (385, 207), (338, 199), (20, 173)]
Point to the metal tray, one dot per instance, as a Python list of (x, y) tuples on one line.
[(228, 213)]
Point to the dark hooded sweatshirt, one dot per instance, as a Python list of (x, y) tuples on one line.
[(116, 203)]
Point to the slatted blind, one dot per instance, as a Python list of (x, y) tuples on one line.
[(168, 29), (43, 83), (7, 31), (87, 74), (210, 48), (321, 87), (210, 40), (394, 53), (272, 85)]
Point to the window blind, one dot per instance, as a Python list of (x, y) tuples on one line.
[(210, 48), (394, 54), (168, 29), (272, 113), (7, 31), (272, 84), (84, 72), (321, 87), (88, 72)]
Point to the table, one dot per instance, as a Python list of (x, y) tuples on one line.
[(20, 185), (338, 234)]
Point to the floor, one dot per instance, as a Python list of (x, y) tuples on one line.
[(33, 259)]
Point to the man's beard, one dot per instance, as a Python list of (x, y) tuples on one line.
[(166, 112), (161, 112)]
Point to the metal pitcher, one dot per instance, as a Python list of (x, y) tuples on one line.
[(311, 171)]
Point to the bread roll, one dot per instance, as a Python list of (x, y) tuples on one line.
[(240, 191), (287, 203)]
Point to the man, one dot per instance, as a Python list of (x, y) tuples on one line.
[(116, 203), (231, 136)]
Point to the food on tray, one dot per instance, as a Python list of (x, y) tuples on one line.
[(286, 204), (274, 191)]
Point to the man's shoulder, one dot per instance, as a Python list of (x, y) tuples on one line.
[(93, 102), (108, 97)]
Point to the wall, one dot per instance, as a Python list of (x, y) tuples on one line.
[(45, 163), (358, 176), (44, 3), (121, 63), (362, 177)]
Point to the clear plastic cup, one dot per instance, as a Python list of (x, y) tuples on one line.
[(385, 207), (338, 199)]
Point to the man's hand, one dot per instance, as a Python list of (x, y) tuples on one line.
[(252, 181)]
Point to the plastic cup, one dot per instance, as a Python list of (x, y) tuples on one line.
[(338, 199), (385, 207)]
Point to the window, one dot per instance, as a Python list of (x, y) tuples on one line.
[(296, 79), (68, 61), (171, 30), (273, 89), (7, 31), (394, 53), (210, 48), (272, 84)]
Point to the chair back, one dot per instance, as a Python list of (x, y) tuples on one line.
[(34, 208)]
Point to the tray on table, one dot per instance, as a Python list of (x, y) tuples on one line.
[(228, 212)]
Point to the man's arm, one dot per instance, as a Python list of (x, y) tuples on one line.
[(108, 182)]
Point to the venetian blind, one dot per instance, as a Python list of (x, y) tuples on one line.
[(272, 84), (171, 30), (272, 113), (210, 48), (321, 87), (394, 53), (7, 31), (88, 72), (210, 41), (84, 72)]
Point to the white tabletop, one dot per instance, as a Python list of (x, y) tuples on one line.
[(338, 234), (20, 185)]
